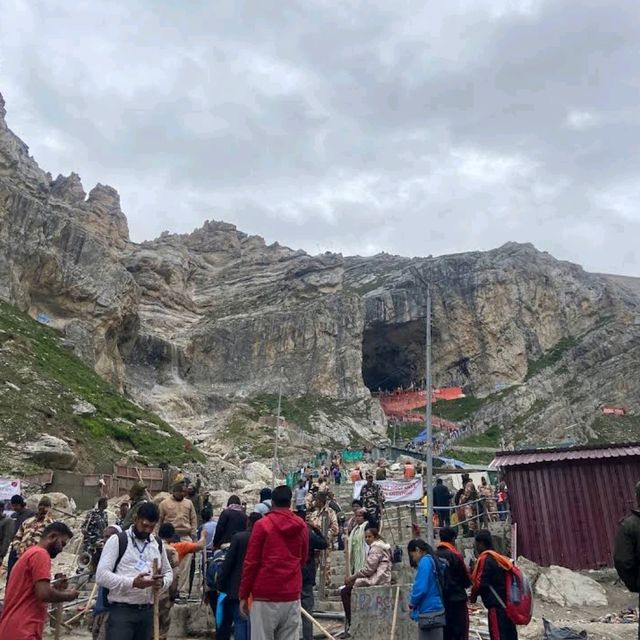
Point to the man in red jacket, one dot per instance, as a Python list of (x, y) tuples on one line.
[(272, 571)]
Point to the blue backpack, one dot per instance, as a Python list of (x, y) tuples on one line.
[(214, 568)]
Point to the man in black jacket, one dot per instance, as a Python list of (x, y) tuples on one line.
[(229, 583), (626, 554), (317, 542), (455, 594), (232, 520), (441, 502), (20, 514)]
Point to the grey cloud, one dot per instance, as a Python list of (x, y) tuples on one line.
[(408, 127)]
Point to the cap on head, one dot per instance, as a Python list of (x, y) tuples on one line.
[(137, 489)]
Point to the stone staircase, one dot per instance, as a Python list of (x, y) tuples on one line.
[(396, 530)]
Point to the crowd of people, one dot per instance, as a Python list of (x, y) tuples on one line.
[(470, 507), (260, 565)]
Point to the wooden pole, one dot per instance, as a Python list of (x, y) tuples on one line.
[(395, 614), (311, 619), (142, 481), (58, 617), (347, 559), (156, 603), (87, 607)]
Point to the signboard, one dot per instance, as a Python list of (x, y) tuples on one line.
[(9, 487), (351, 456), (395, 490)]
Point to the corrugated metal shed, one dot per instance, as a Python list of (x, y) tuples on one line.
[(568, 502), (533, 456)]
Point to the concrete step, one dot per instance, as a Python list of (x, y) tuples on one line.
[(326, 606)]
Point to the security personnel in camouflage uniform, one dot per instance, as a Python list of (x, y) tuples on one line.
[(94, 525), (30, 531), (324, 518)]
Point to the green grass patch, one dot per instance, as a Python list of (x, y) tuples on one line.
[(532, 411), (489, 438), (470, 457), (299, 411), (51, 378), (457, 410), (550, 358), (610, 429)]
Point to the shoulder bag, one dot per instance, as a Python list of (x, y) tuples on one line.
[(437, 618)]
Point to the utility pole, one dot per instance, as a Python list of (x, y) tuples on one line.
[(274, 468), (428, 425)]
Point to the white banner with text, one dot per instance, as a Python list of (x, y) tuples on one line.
[(9, 487), (395, 490)]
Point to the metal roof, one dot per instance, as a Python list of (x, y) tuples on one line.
[(589, 452)]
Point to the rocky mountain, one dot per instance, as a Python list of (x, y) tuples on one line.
[(206, 327)]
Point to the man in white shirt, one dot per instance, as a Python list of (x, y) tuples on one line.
[(130, 580)]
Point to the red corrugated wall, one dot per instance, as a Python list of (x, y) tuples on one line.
[(568, 512)]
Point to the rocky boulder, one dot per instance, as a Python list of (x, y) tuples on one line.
[(258, 472), (219, 499), (159, 497), (83, 408), (59, 501), (567, 588), (53, 453), (530, 569)]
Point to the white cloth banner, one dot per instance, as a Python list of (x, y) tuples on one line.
[(395, 490), (9, 487)]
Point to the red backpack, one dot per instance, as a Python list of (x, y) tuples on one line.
[(519, 604)]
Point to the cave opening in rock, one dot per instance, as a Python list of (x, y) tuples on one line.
[(393, 355)]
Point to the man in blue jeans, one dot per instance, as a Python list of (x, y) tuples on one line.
[(229, 584)]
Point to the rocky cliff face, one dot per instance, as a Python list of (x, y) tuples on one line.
[(198, 326)]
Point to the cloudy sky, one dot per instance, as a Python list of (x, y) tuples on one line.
[(416, 128)]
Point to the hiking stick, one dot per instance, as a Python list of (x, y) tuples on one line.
[(58, 618), (347, 560), (311, 619), (142, 481), (87, 607), (395, 614), (156, 604)]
